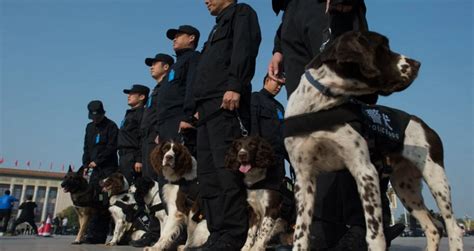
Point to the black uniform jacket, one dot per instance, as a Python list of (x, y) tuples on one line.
[(228, 58), (267, 116), (129, 137), (100, 144), (150, 115), (175, 96)]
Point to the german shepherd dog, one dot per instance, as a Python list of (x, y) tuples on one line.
[(82, 196)]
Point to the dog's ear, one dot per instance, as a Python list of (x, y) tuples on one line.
[(354, 48), (69, 170), (349, 48), (183, 159), (265, 156), (156, 158), (230, 159), (80, 171)]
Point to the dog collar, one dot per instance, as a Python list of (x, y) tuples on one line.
[(321, 88)]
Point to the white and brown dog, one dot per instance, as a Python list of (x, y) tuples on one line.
[(254, 157), (179, 168), (123, 209), (358, 64)]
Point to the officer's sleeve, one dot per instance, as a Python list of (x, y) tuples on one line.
[(189, 107), (111, 147), (22, 206), (277, 41), (246, 41), (255, 115), (86, 155), (137, 156)]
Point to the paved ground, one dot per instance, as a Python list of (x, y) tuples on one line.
[(60, 243)]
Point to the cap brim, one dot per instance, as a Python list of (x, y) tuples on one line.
[(171, 33), (127, 91), (149, 61)]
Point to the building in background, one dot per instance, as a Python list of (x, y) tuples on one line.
[(45, 187)]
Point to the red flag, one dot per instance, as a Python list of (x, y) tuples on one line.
[(51, 166), (2, 160), (28, 163), (62, 167), (16, 163)]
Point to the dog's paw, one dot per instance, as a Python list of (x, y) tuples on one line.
[(111, 243), (76, 242)]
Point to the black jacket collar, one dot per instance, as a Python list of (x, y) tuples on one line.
[(225, 12)]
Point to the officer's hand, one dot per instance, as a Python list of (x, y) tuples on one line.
[(138, 167), (275, 67), (157, 139), (184, 125), (230, 101), (92, 164)]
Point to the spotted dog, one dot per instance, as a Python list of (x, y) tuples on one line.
[(357, 64), (254, 158), (82, 198), (123, 208), (178, 167)]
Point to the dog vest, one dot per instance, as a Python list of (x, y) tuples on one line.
[(384, 125), (190, 188)]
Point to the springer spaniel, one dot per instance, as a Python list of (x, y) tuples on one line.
[(254, 158), (122, 208), (178, 166), (359, 63)]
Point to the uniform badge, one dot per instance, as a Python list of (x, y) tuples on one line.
[(171, 76), (280, 115)]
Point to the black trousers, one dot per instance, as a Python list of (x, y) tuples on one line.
[(99, 223), (20, 220), (168, 130), (126, 165), (5, 215), (222, 191), (148, 171)]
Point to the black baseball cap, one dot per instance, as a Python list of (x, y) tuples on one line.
[(165, 58), (139, 89), (96, 109), (188, 29)]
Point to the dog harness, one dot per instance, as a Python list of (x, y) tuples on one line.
[(190, 188), (384, 126)]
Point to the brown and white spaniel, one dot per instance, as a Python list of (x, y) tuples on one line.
[(122, 207), (359, 63), (254, 158), (178, 166)]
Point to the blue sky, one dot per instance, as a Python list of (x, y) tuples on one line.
[(57, 55)]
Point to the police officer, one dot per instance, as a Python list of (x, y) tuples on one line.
[(130, 161), (100, 155), (160, 65), (222, 91), (175, 100), (267, 115)]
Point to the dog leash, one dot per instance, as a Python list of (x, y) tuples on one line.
[(243, 131)]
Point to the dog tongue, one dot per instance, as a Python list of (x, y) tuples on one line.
[(245, 168)]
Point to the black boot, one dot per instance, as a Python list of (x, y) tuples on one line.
[(147, 240)]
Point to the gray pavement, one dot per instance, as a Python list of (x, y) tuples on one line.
[(60, 243)]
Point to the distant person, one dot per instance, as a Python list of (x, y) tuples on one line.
[(100, 155), (27, 215), (129, 137), (6, 205), (64, 225), (57, 224), (267, 115)]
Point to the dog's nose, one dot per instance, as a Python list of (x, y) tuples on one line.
[(168, 157), (242, 154), (413, 63)]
